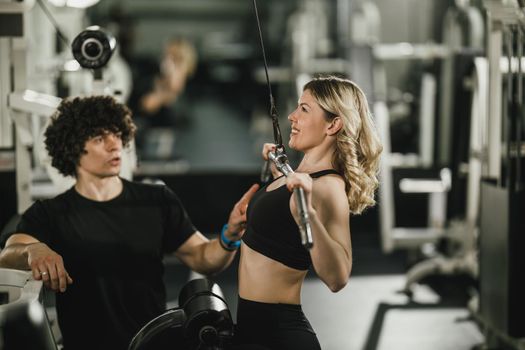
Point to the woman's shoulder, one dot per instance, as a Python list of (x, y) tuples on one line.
[(329, 185), (330, 198)]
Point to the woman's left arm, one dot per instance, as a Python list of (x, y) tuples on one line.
[(328, 211)]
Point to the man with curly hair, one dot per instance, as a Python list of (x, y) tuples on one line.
[(100, 244)]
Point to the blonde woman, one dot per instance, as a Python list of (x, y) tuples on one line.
[(333, 127), (179, 63)]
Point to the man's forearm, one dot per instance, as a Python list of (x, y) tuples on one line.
[(14, 257), (215, 257)]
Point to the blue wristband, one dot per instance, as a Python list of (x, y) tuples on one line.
[(229, 245)]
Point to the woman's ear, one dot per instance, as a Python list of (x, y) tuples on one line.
[(335, 125)]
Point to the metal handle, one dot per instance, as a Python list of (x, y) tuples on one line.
[(304, 227), (281, 162), (266, 172)]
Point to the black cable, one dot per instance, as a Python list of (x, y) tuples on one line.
[(273, 110), (53, 22), (263, 51)]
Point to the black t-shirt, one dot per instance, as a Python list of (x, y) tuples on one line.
[(113, 251)]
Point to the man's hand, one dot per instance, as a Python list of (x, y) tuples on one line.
[(237, 219), (47, 266)]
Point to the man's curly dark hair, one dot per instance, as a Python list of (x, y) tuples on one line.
[(79, 119)]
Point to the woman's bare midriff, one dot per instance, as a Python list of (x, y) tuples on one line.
[(265, 280)]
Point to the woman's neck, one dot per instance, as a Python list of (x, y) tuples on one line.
[(319, 158), (99, 189)]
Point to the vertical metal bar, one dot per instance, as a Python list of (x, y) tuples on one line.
[(386, 190), (23, 153), (343, 26), (519, 110), (508, 107), (6, 124), (452, 39), (23, 162), (427, 119), (495, 80)]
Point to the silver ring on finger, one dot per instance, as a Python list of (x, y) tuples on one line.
[(43, 273)]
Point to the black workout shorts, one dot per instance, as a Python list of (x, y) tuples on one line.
[(273, 327)]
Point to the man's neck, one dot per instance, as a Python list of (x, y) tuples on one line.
[(99, 189)]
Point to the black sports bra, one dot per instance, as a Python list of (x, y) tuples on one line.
[(271, 229)]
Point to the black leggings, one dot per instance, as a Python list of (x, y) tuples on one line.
[(274, 327)]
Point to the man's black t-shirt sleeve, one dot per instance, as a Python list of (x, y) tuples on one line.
[(178, 226), (35, 222)]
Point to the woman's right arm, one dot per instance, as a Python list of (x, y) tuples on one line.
[(24, 252)]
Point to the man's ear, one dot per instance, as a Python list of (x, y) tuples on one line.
[(335, 125)]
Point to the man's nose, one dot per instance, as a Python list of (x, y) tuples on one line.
[(113, 142)]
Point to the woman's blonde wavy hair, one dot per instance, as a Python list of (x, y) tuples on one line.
[(358, 147)]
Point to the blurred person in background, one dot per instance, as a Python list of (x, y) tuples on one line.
[(156, 88)]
